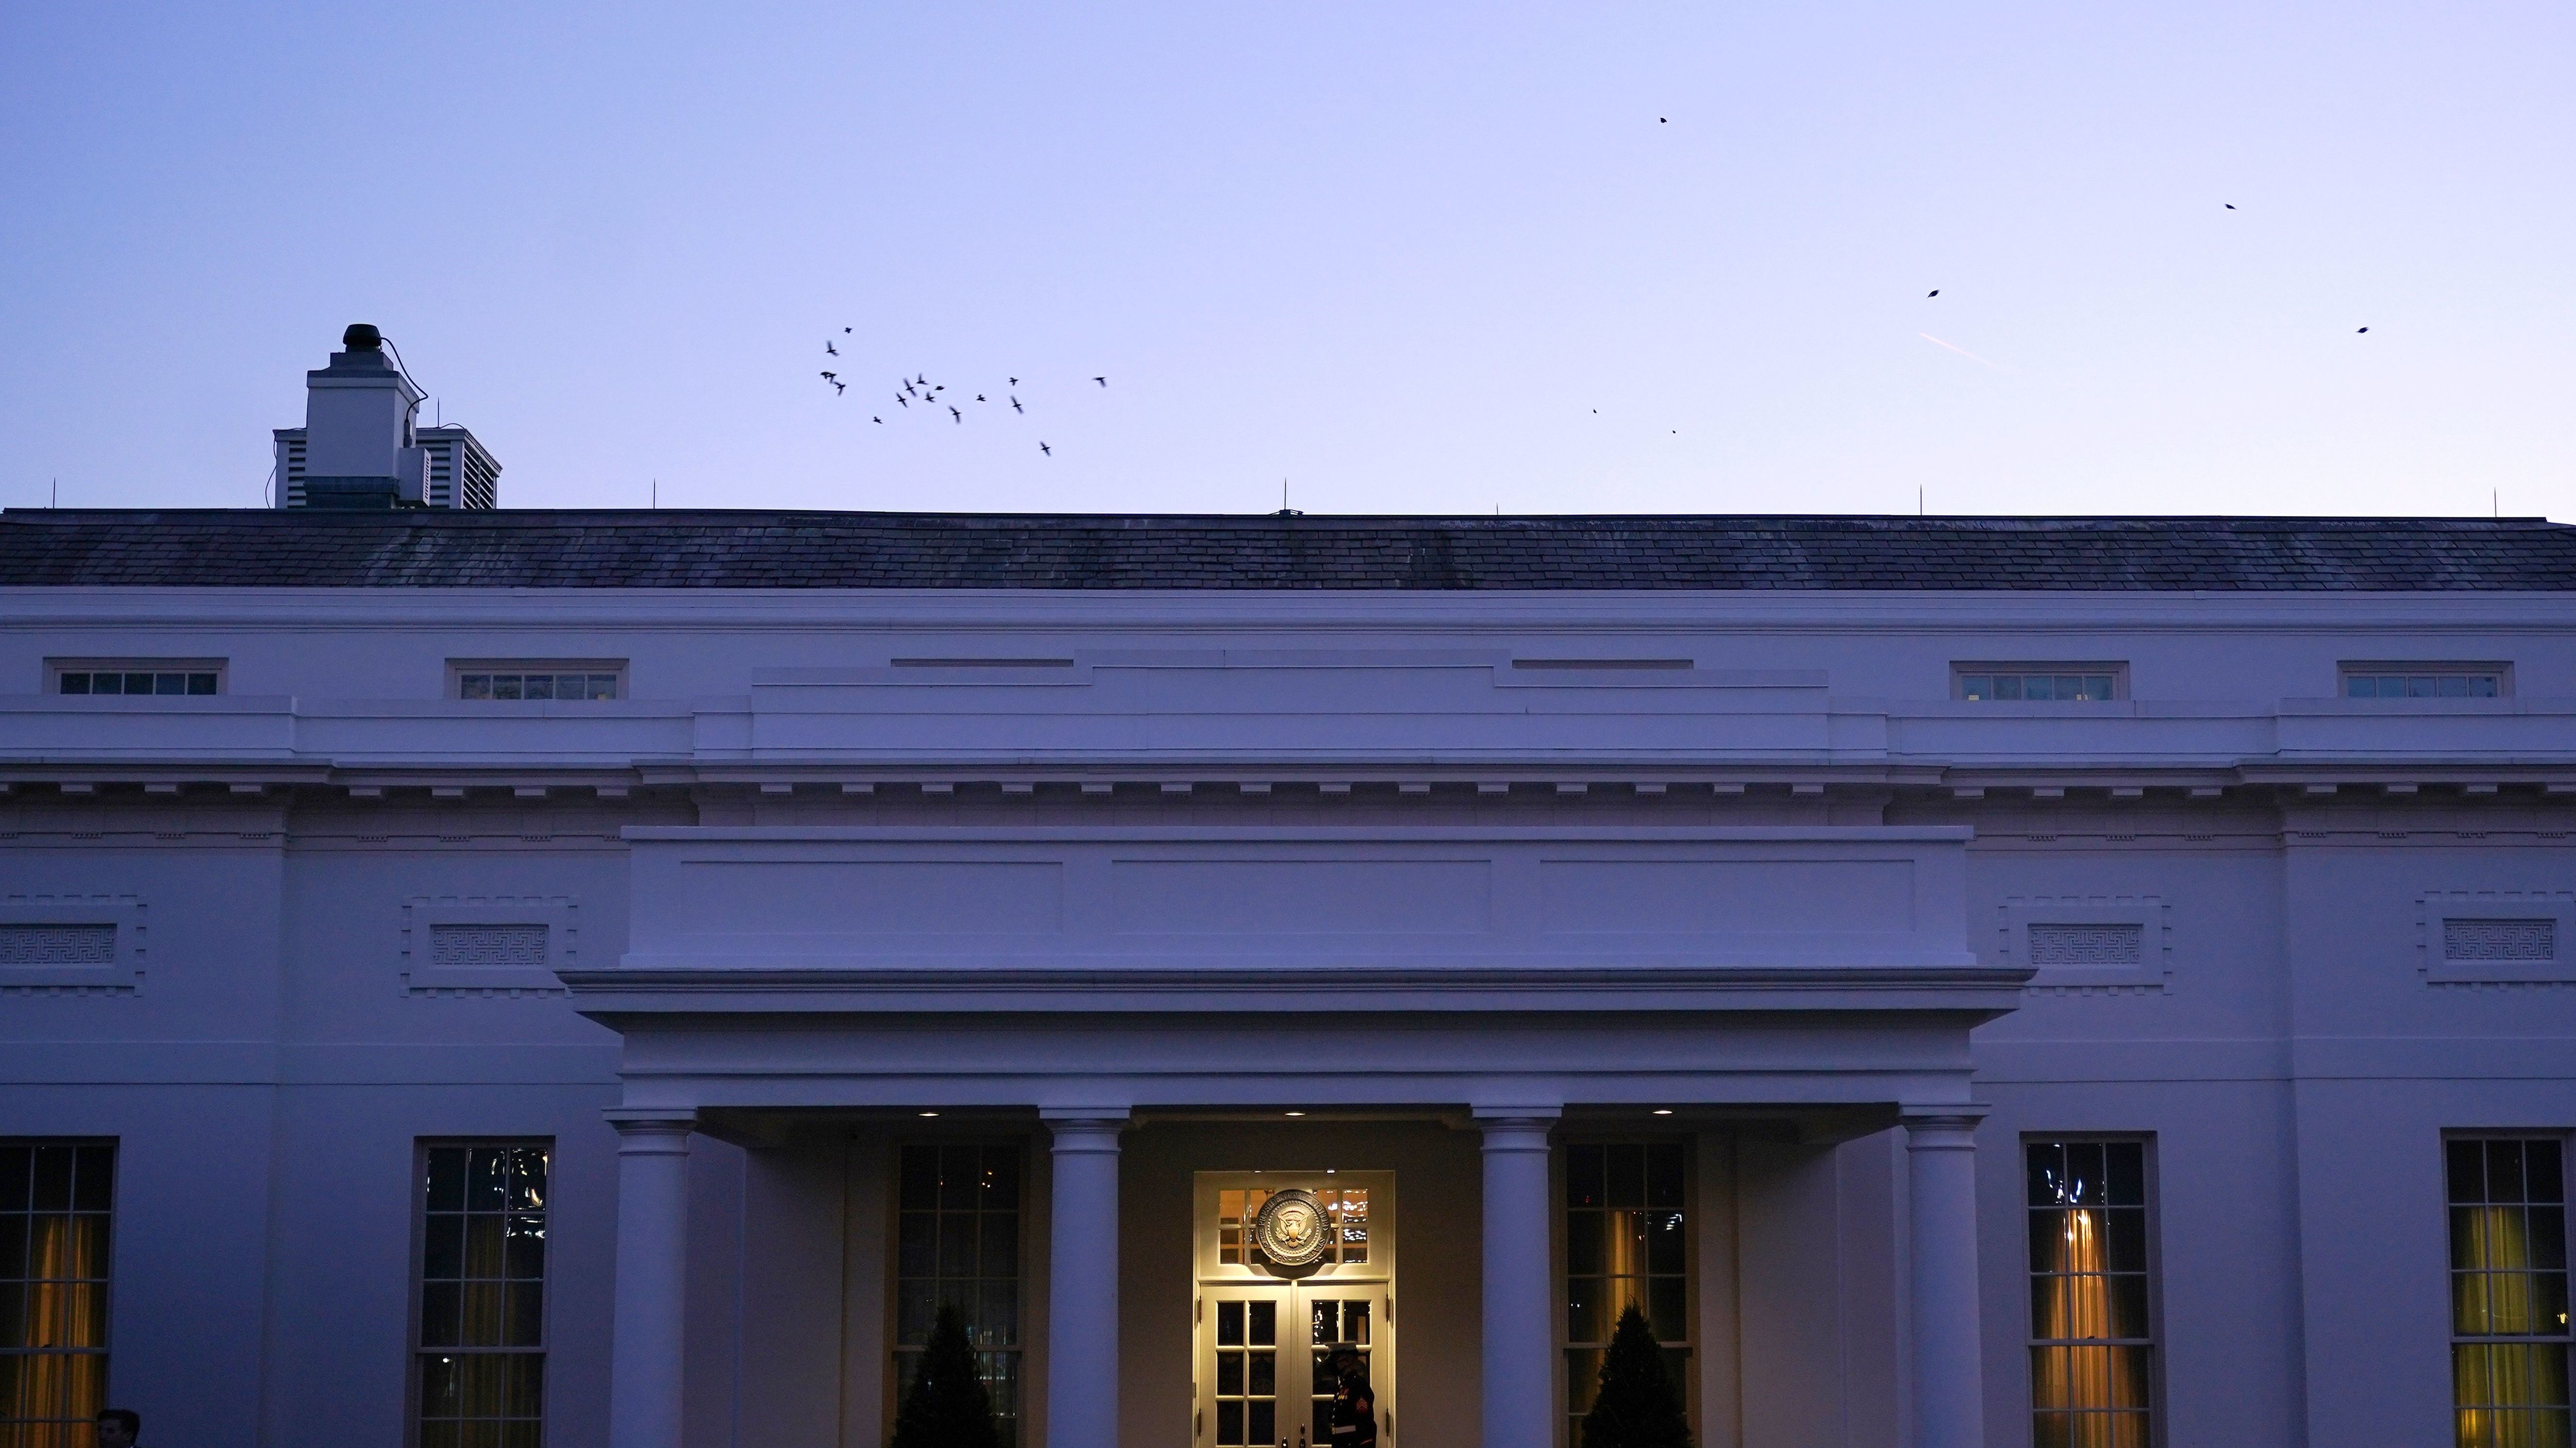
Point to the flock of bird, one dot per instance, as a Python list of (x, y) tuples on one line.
[(931, 396)]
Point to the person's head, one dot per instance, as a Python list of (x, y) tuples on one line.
[(1346, 1361), (118, 1428)]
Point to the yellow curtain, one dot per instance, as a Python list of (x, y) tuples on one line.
[(2505, 1391), (2079, 1306), (65, 1308)]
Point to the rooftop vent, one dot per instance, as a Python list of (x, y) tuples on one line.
[(361, 446)]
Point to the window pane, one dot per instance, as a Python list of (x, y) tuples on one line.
[(201, 683), (1627, 1170), (505, 686), (2007, 686), (2361, 686), (75, 683), (474, 686), (1583, 1176), (1664, 1175)]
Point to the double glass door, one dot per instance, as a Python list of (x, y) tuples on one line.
[(1265, 1375)]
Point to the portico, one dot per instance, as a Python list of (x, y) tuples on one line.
[(1296, 1001)]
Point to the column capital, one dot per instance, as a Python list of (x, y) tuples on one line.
[(1516, 1128), (652, 1129), (1948, 1126), (1081, 1129)]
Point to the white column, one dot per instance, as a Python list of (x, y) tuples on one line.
[(1949, 1389), (1082, 1280), (652, 1276), (1520, 1317)]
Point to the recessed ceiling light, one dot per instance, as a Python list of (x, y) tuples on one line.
[(1663, 1111), (1296, 1113)]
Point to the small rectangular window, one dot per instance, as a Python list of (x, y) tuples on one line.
[(584, 681), (2426, 681), (1627, 1244), (957, 1243), (480, 1343), (2509, 1337), (55, 1202), (2092, 1339), (163, 678), (2038, 683)]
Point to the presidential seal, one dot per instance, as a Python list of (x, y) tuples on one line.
[(1292, 1229)]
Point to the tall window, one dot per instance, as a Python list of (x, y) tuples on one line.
[(54, 1201), (2092, 1345), (1625, 1242), (958, 1242), (482, 1349), (2509, 1292)]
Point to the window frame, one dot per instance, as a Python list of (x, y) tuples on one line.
[(896, 1351), (106, 1351), (415, 1352), (1961, 670), (1559, 1211), (2153, 1200), (56, 668), (2452, 1338), (2347, 670), (459, 669)]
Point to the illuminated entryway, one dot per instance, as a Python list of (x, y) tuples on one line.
[(1266, 1327)]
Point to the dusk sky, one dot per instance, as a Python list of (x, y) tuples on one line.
[(1398, 255)]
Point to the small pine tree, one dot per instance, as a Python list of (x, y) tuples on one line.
[(946, 1406), (1637, 1407)]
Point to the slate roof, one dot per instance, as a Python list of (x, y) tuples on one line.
[(526, 548)]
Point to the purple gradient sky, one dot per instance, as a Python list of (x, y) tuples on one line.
[(1396, 254)]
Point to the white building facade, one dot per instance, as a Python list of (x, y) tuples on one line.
[(501, 978)]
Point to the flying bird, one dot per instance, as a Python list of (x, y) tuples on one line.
[(828, 347), (1042, 447), (1663, 120), (1103, 381), (1015, 382), (845, 329), (1936, 291), (979, 397), (2230, 205), (1015, 405), (839, 387), (899, 397), (2365, 329), (953, 412), (878, 420)]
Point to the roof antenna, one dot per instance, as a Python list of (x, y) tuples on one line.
[(1284, 510), (657, 492), (1918, 500), (58, 494)]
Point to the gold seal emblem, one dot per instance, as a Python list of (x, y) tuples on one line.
[(1292, 1229)]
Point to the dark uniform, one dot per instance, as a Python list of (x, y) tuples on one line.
[(1354, 1417)]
